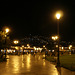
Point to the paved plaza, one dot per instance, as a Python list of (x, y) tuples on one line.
[(30, 65)]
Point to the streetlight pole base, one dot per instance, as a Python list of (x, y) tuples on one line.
[(58, 64)]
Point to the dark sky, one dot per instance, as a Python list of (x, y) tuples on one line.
[(36, 17)]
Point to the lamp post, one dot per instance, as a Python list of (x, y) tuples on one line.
[(6, 32), (55, 38), (16, 42), (23, 49), (70, 47), (58, 18)]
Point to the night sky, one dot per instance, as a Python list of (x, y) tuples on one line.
[(35, 17)]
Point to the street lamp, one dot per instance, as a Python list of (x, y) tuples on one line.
[(23, 49), (6, 31), (58, 15), (28, 45), (44, 46), (70, 47), (16, 41), (54, 37)]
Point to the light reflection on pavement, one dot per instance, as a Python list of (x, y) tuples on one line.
[(27, 65)]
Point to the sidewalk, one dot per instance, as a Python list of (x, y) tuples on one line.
[(30, 65)]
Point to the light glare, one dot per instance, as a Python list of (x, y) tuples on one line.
[(54, 37), (58, 16), (16, 42), (7, 30)]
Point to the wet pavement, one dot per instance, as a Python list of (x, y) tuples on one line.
[(30, 65)]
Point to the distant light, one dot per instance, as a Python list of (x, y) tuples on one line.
[(22, 45), (70, 46), (21, 48), (16, 42), (34, 47), (37, 48), (54, 37), (14, 50), (49, 50), (27, 44), (56, 45), (1, 50), (62, 47), (5, 35), (7, 30), (43, 45), (52, 50)]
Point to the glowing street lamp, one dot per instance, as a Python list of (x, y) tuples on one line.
[(70, 46), (5, 34), (22, 45), (16, 42), (23, 49), (28, 45), (58, 16), (16, 48), (54, 37), (56, 46), (44, 46), (62, 48), (34, 48), (7, 30)]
